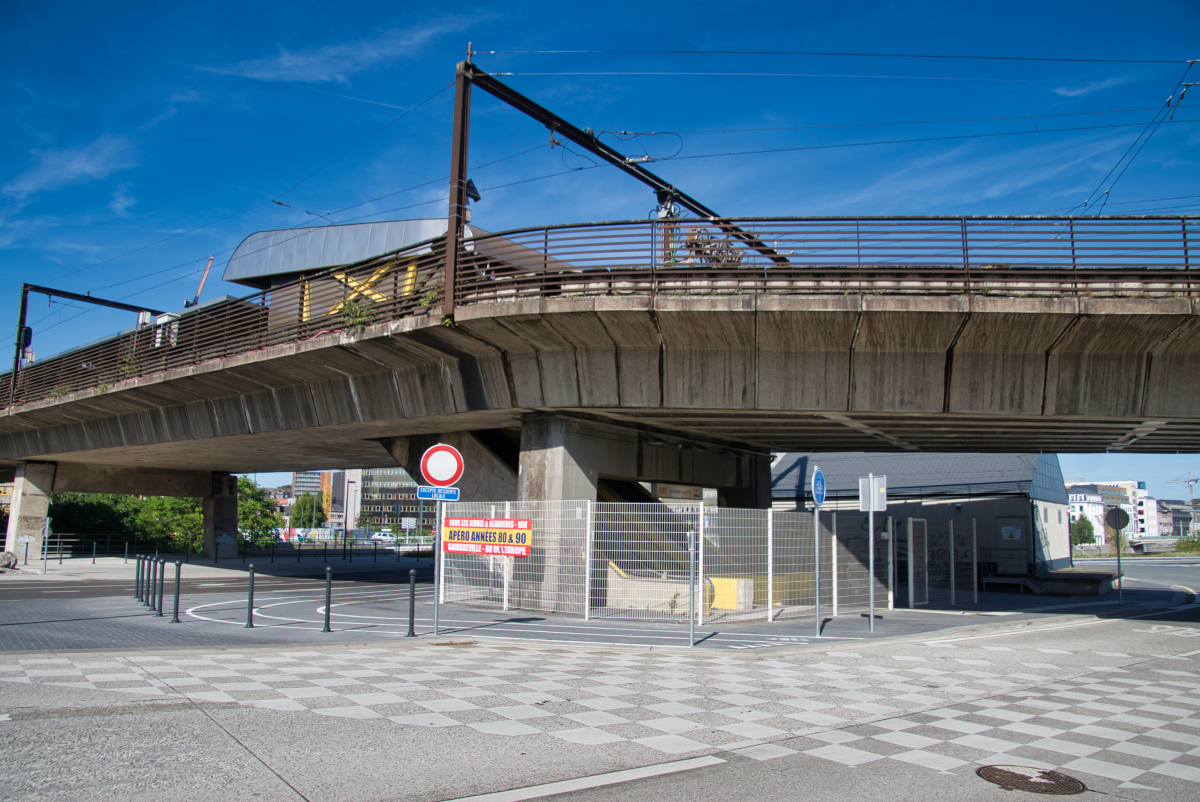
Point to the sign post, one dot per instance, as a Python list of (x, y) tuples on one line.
[(818, 494), (1118, 519), (872, 498), (442, 466)]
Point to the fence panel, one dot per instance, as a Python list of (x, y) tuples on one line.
[(639, 565), (918, 555), (938, 562), (551, 579), (792, 575), (854, 589), (964, 563), (735, 564)]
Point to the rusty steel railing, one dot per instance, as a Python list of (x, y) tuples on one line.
[(1115, 257)]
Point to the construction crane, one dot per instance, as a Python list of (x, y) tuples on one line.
[(1189, 481), (200, 289)]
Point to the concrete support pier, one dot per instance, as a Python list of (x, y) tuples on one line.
[(565, 457), (30, 502), (221, 518)]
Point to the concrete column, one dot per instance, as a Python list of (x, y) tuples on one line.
[(756, 495), (221, 517), (30, 504), (551, 469)]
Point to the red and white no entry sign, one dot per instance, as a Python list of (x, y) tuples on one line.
[(442, 465)]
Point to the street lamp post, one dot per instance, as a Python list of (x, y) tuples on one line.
[(346, 516)]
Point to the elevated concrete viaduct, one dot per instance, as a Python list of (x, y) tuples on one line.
[(692, 374)]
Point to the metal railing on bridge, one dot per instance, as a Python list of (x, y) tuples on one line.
[(1055, 257)]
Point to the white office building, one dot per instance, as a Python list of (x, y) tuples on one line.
[(1086, 502)]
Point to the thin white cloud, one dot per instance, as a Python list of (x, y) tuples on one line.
[(1087, 89), (57, 168), (336, 63), (121, 201), (962, 176)]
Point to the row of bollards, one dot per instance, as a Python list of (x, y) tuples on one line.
[(150, 580)]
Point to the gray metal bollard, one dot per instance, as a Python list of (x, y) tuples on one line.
[(374, 552), (162, 579), (250, 601), (93, 552), (325, 558), (178, 568), (27, 554), (148, 585), (137, 576), (328, 597), (299, 548), (412, 603), (272, 551), (127, 552)]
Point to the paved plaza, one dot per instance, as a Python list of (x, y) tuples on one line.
[(1115, 703)]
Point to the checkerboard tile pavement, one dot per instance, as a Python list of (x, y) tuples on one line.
[(940, 713)]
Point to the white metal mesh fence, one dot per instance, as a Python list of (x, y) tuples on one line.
[(747, 565), (938, 562), (918, 565), (964, 555)]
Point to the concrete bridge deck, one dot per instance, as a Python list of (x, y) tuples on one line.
[(873, 334)]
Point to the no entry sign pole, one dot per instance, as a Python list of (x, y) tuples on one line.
[(442, 466), (872, 498), (818, 492)]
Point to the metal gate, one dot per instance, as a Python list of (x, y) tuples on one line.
[(918, 562)]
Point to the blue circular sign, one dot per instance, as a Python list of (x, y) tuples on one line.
[(818, 487)]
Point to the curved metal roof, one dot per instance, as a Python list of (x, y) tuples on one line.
[(297, 250)]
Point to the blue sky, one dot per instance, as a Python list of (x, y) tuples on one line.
[(140, 138)]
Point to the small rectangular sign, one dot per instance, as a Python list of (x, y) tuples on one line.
[(872, 493), (437, 493), (506, 537), (681, 492), (408, 523)]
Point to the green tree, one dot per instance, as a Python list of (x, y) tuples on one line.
[(93, 513), (171, 518), (302, 512), (258, 514), (1082, 531)]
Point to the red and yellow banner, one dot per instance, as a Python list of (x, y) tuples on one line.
[(504, 537)]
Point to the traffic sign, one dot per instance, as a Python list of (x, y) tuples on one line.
[(818, 487), (441, 465), (1117, 518), (872, 493), (408, 523), (437, 493)]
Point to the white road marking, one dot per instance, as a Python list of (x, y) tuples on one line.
[(595, 781)]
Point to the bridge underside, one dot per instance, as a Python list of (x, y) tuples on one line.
[(790, 373), (360, 445)]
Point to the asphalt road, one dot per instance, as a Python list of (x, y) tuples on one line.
[(18, 591), (1153, 571)]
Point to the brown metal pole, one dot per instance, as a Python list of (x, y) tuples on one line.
[(12, 384), (458, 183)]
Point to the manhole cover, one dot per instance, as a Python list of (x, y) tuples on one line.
[(1035, 781)]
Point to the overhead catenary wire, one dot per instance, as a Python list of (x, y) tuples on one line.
[(884, 124), (909, 141), (809, 75), (962, 57), (1147, 132)]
